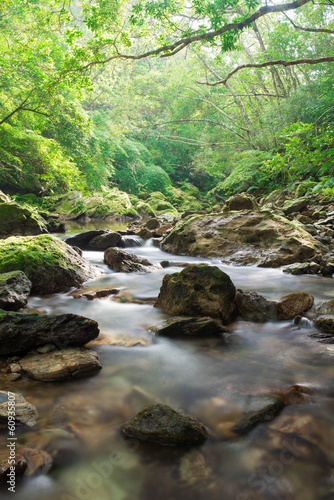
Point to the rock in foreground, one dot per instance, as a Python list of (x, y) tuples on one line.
[(162, 425), (14, 290), (20, 333), (198, 291), (50, 264), (122, 261), (72, 362), (294, 304), (246, 238)]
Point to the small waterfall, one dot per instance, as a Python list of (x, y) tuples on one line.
[(130, 241)]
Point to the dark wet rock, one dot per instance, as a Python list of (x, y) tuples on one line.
[(325, 307), (181, 326), (296, 205), (241, 201), (302, 268), (96, 239), (294, 304), (122, 261), (254, 307), (25, 412), (261, 409), (198, 291), (156, 241), (19, 333), (325, 324), (14, 290), (19, 221), (104, 241), (51, 265), (165, 263), (162, 230), (20, 465), (162, 425), (72, 362), (261, 238)]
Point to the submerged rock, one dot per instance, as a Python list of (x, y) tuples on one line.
[(19, 333), (50, 264), (254, 307), (25, 412), (122, 261), (294, 304), (72, 362), (181, 326), (261, 409), (198, 291), (14, 290), (162, 425), (261, 238), (16, 220)]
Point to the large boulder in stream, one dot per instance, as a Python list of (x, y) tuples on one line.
[(162, 425), (246, 238), (20, 221), (198, 290), (254, 307), (14, 290), (19, 333), (50, 264), (294, 304), (122, 261), (97, 239)]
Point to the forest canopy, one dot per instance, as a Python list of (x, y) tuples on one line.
[(219, 95)]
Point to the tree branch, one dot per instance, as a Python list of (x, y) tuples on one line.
[(278, 62), (169, 50)]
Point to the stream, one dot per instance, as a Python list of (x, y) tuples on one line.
[(287, 458)]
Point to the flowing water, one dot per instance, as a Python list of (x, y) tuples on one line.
[(288, 458)]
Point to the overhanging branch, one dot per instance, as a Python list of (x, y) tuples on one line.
[(278, 62)]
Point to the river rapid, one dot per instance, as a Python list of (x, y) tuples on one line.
[(287, 458)]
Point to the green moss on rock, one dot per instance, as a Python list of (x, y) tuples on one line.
[(50, 264), (17, 220)]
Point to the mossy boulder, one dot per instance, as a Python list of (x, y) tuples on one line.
[(198, 290), (246, 238), (16, 220), (182, 200), (241, 201), (70, 206), (144, 208), (160, 204), (14, 290), (110, 202), (50, 264), (162, 425)]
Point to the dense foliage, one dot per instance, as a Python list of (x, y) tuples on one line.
[(70, 120)]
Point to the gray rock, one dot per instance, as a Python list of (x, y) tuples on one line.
[(25, 412), (162, 425), (326, 307), (72, 362), (181, 326), (19, 333), (122, 261), (297, 205), (152, 224), (198, 291), (14, 290), (254, 307)]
